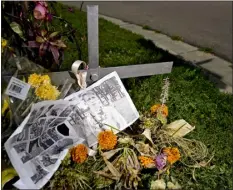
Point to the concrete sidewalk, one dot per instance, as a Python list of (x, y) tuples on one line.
[(202, 24), (218, 70)]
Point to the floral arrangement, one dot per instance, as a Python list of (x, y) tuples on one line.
[(152, 147), (15, 110), (44, 90), (33, 30)]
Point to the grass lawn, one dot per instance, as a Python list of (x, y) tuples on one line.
[(191, 96)]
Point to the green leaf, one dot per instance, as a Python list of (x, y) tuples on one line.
[(39, 39), (161, 117), (58, 43), (7, 175), (52, 35), (17, 29), (43, 33)]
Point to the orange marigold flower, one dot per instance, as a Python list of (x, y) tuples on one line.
[(107, 140), (79, 153), (158, 107), (146, 161), (173, 154)]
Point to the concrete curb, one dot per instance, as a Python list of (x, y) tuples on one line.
[(218, 70)]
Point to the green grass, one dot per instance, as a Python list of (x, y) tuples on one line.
[(176, 38), (206, 49), (191, 96)]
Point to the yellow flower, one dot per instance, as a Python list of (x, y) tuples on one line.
[(36, 80), (47, 92), (3, 43), (45, 79), (173, 154), (107, 140), (158, 107), (79, 153), (5, 106), (146, 161)]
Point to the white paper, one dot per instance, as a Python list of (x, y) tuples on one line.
[(104, 102), (41, 142), (17, 88)]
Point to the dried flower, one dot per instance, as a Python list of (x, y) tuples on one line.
[(146, 161), (36, 80), (173, 154), (107, 140), (40, 12), (161, 161), (158, 184), (47, 92), (79, 153), (159, 108)]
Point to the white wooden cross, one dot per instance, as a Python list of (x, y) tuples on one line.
[(95, 72)]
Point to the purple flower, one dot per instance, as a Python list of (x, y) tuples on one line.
[(49, 17), (70, 10), (161, 161)]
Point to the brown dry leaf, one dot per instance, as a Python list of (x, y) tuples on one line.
[(135, 160), (111, 153), (104, 174), (112, 169), (179, 128), (147, 134), (145, 149)]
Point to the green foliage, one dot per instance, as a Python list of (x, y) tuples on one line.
[(196, 100), (72, 175), (117, 46), (191, 97), (206, 49)]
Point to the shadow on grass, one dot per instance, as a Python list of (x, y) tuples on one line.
[(179, 61)]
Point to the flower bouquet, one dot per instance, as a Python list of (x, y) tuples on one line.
[(150, 147), (14, 110)]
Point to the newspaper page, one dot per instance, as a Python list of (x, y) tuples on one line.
[(104, 102), (39, 144)]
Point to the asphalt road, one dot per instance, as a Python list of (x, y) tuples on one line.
[(203, 24)]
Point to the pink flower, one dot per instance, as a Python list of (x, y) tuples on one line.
[(70, 10), (43, 3), (40, 12)]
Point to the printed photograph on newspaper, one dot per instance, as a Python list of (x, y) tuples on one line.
[(39, 144), (104, 103)]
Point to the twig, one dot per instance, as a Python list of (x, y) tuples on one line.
[(81, 6)]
